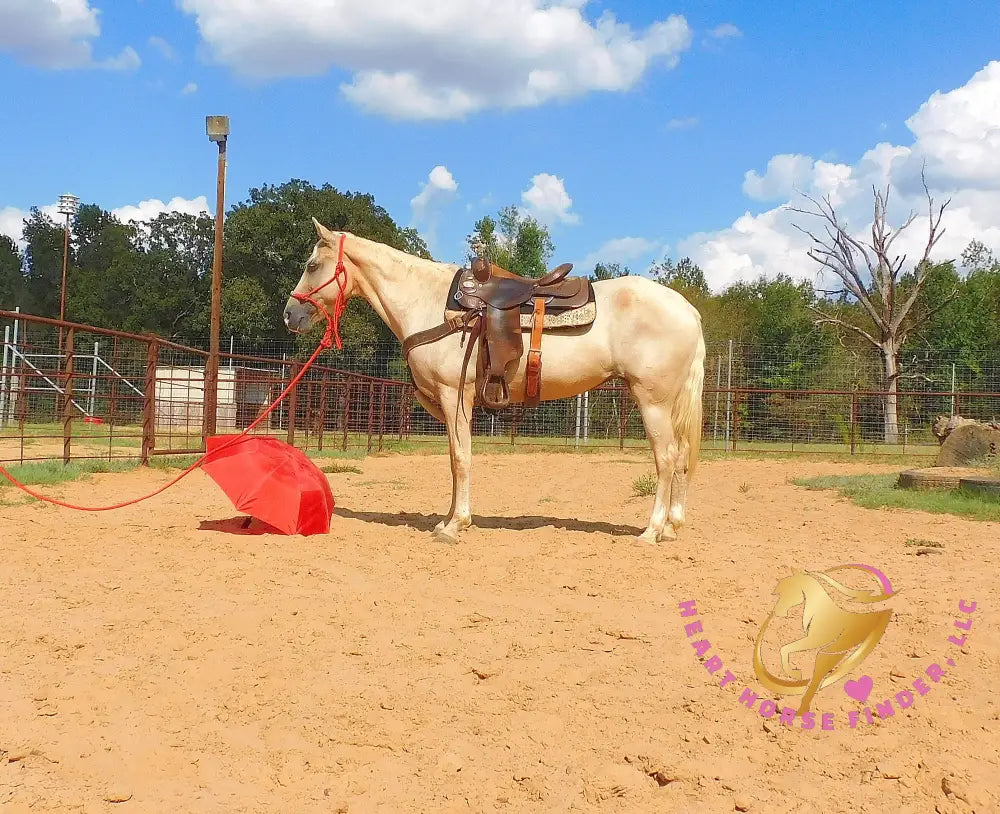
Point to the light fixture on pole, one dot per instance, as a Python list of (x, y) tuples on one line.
[(217, 129), (68, 206)]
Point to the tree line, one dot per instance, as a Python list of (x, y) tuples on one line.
[(154, 277)]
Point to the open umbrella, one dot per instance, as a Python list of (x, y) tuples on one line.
[(272, 481)]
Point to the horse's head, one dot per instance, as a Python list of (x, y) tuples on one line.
[(320, 270), (790, 593)]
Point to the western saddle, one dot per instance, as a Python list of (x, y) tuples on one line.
[(495, 307)]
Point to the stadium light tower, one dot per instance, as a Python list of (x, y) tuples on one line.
[(217, 129), (68, 206)]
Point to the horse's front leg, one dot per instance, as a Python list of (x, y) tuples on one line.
[(458, 420)]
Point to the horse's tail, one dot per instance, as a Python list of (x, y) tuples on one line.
[(688, 407)]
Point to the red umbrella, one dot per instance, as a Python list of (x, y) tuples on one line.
[(272, 481)]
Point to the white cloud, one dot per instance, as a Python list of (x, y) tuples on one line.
[(956, 135), (435, 194), (441, 60), (57, 34), (12, 222), (189, 88), (547, 200), (618, 250), (439, 188), (165, 48), (127, 60), (683, 124), (725, 31), (12, 218), (153, 207)]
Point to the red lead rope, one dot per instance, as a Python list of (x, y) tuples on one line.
[(332, 330)]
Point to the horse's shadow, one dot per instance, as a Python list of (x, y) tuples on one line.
[(426, 522)]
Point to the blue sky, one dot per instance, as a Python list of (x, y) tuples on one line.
[(654, 164)]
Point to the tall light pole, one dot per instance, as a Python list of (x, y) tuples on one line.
[(68, 206), (217, 128)]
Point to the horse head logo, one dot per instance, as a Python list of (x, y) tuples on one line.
[(841, 638)]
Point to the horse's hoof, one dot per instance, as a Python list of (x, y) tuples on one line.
[(647, 537), (668, 534), (446, 537)]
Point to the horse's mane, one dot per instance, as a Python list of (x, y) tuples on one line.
[(855, 594), (382, 250)]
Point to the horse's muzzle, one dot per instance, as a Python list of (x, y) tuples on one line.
[(298, 315)]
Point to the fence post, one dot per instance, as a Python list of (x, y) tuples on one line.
[(718, 387), (404, 400), (68, 398), (149, 402), (371, 412), (16, 382), (293, 402), (3, 377), (586, 417), (729, 395), (322, 409), (854, 418), (621, 418), (381, 416), (92, 407), (347, 412), (736, 419)]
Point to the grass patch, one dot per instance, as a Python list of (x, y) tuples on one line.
[(337, 468), (880, 492), (50, 473), (644, 485)]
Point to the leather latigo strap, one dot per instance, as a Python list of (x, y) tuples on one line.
[(533, 369), (446, 328)]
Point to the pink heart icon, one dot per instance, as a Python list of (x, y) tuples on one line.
[(859, 690)]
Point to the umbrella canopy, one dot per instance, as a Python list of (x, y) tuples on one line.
[(272, 481)]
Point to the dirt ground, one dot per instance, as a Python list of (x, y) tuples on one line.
[(159, 657)]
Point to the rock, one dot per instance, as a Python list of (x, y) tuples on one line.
[(968, 443), (741, 804), (888, 769), (118, 794), (953, 787)]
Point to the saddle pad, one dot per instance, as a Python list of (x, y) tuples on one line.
[(574, 318)]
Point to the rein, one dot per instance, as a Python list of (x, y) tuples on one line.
[(331, 334)]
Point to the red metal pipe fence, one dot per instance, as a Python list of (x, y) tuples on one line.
[(112, 394)]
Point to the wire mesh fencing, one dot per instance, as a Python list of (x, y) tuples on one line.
[(69, 392)]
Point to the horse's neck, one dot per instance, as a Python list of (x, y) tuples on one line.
[(408, 296)]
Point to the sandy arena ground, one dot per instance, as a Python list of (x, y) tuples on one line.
[(159, 657)]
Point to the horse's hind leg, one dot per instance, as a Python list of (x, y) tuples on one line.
[(657, 418)]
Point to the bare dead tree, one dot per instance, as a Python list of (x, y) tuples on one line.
[(871, 274)]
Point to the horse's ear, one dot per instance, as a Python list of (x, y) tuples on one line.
[(323, 233)]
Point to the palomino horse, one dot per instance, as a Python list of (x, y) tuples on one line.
[(842, 638), (645, 333)]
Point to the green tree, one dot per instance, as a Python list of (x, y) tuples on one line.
[(608, 271), (11, 282), (43, 278), (270, 235), (514, 241)]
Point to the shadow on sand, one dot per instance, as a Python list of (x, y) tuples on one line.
[(426, 522)]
